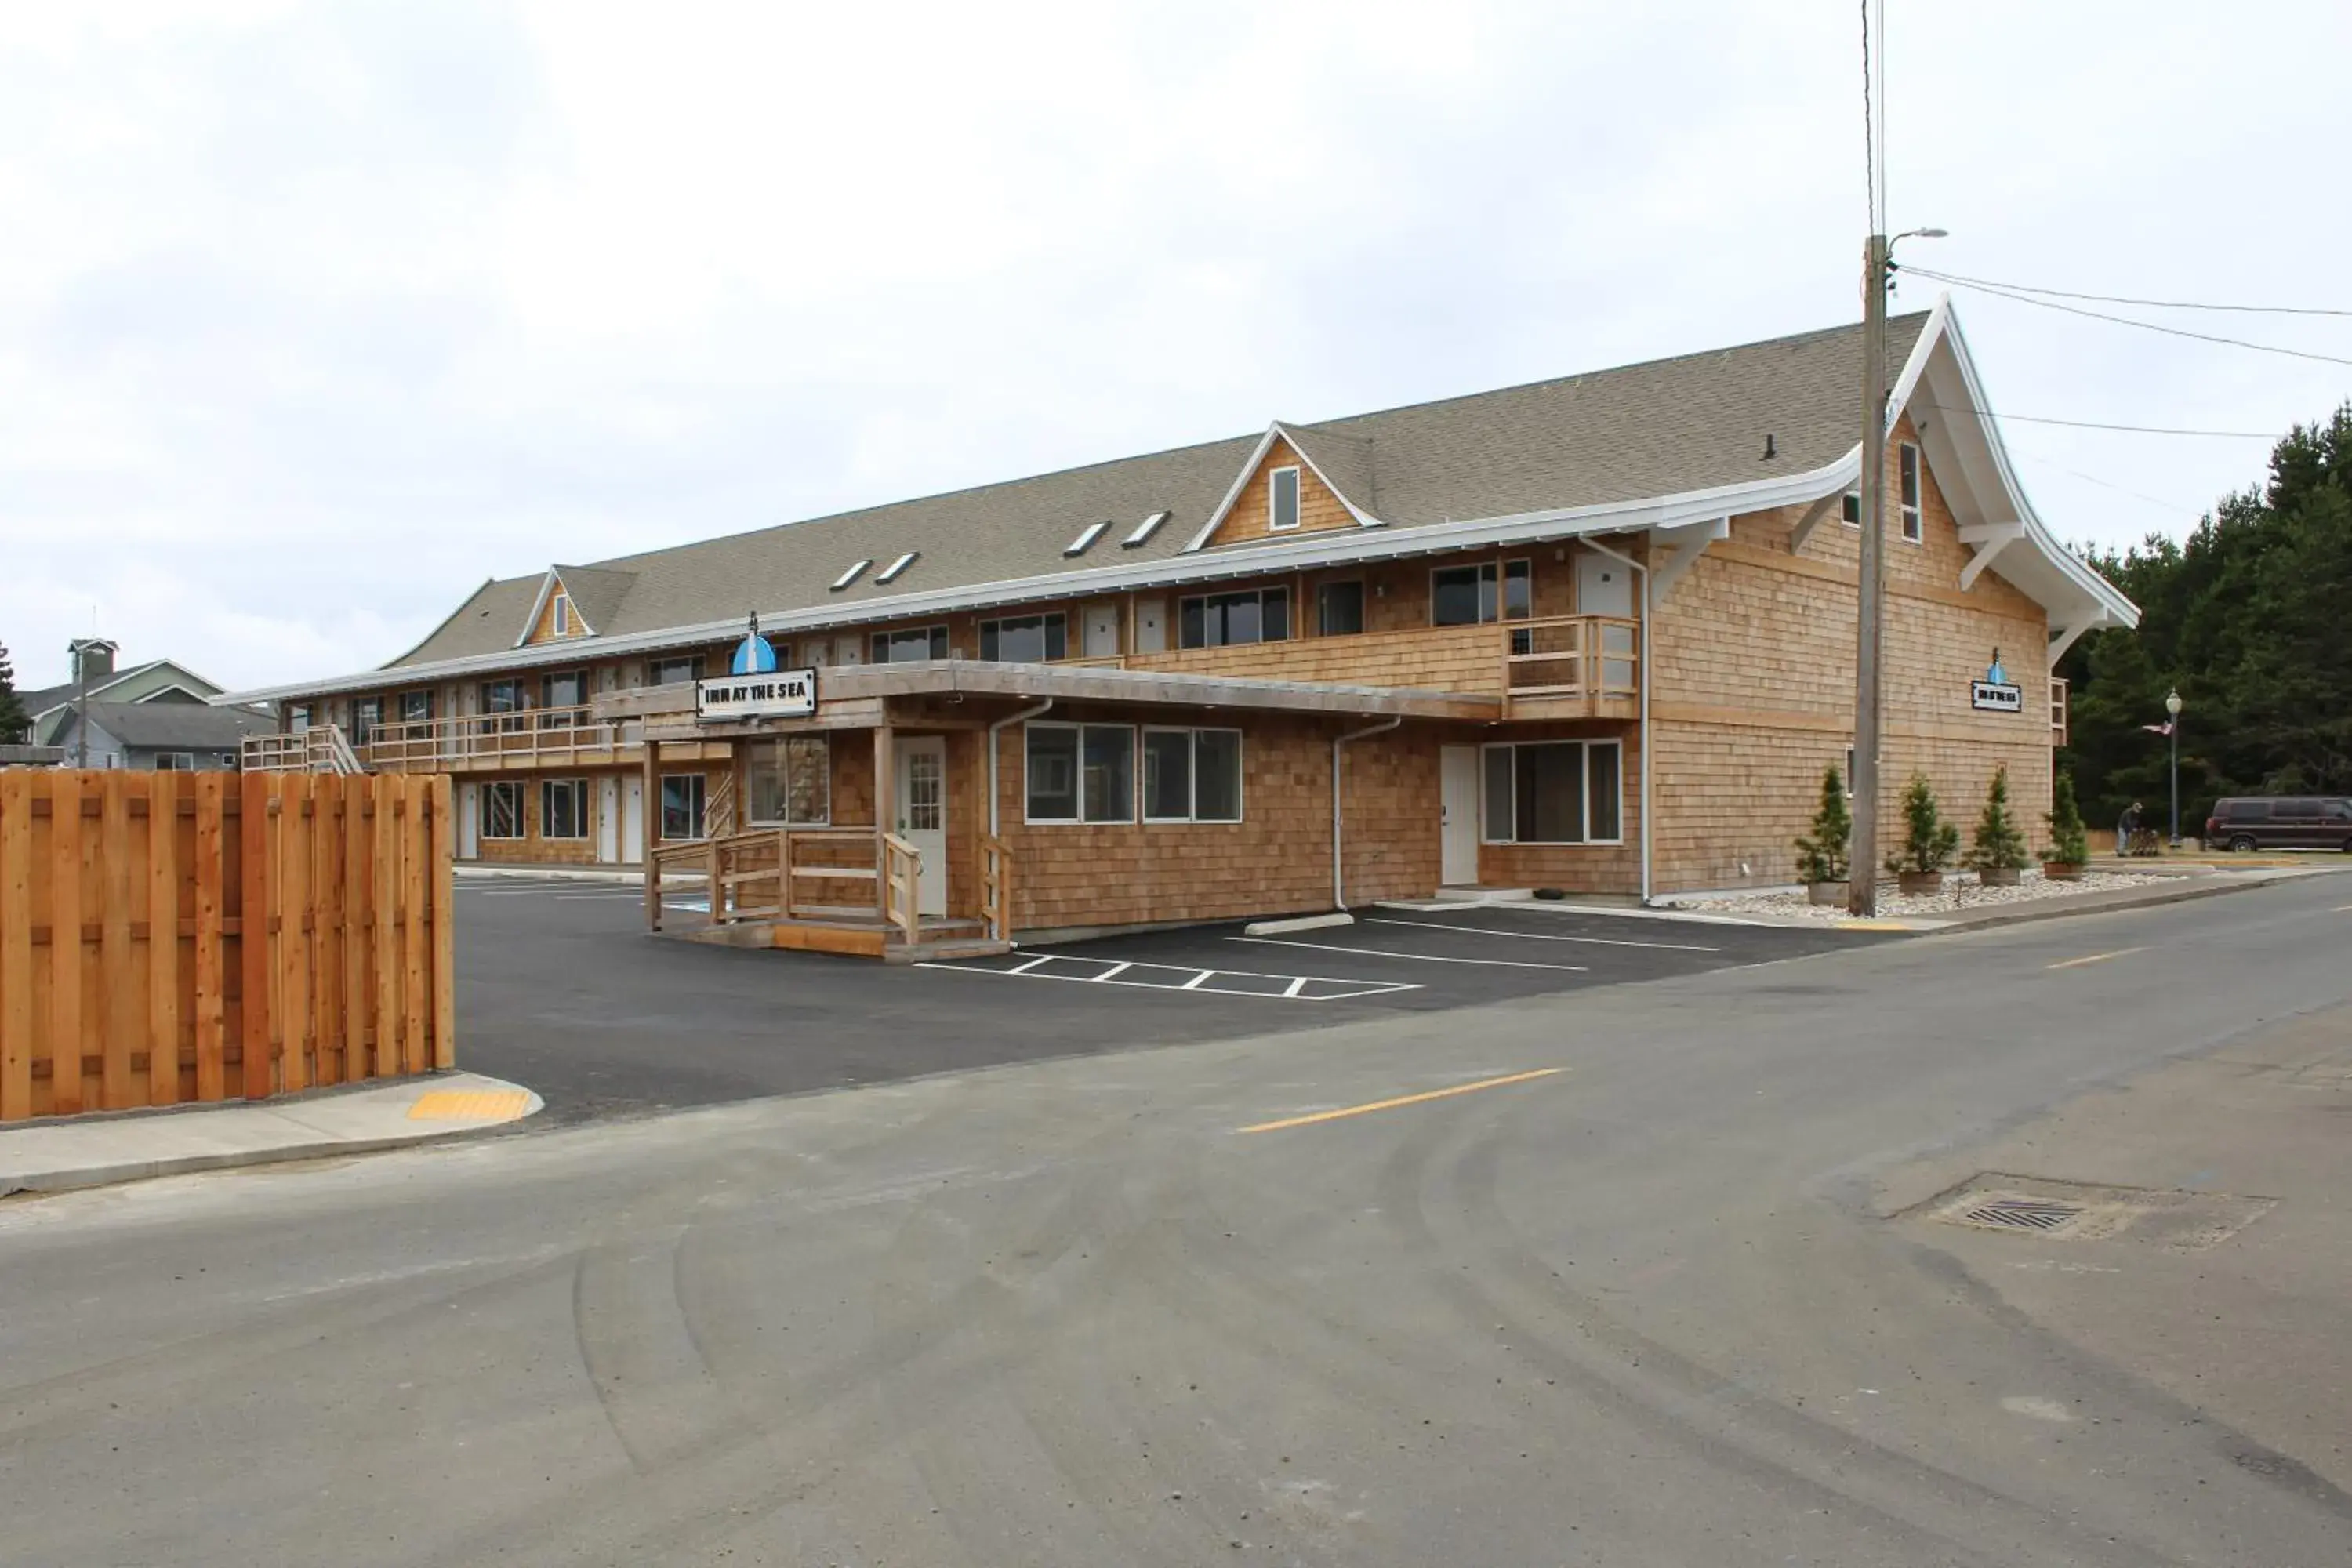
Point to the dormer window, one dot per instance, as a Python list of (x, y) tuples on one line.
[(846, 578), (890, 574), (1085, 538), (1282, 503), (1144, 530), (562, 620)]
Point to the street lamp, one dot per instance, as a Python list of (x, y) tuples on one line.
[(2172, 708), (1877, 265)]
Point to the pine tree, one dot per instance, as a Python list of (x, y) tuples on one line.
[(1928, 841), (1822, 857), (14, 720), (1998, 845), (2068, 846)]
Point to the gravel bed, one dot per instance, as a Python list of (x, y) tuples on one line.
[(1961, 893)]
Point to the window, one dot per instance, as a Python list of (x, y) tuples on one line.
[(229, 761), (680, 669), (1850, 509), (415, 707), (1219, 620), (566, 688), (1338, 609), (504, 698), (790, 781), (681, 806), (367, 714), (918, 642), (297, 717), (560, 619), (846, 578), (1191, 776), (890, 574), (2250, 811), (563, 809), (1907, 463), (1080, 772), (1085, 538), (502, 809), (1555, 792), (1471, 595), (1144, 530), (175, 762), (1282, 500), (1024, 639)]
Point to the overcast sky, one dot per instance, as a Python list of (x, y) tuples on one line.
[(311, 316)]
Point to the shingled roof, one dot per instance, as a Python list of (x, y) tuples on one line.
[(1666, 427)]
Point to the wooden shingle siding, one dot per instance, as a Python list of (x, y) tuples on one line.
[(1608, 869), (1317, 507), (1443, 658)]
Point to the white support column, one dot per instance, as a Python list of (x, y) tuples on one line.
[(1687, 545), (1988, 539), (1815, 515), (2062, 637)]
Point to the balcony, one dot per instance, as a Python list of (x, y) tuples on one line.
[(1573, 666), (538, 737)]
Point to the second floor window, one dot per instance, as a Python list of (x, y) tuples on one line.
[(1472, 596), (297, 717), (1338, 609), (674, 671), (1219, 620), (503, 698), (560, 620), (415, 707), (367, 713), (1282, 500), (1026, 639), (1907, 468), (915, 642), (565, 689)]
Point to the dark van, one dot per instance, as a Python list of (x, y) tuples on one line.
[(2281, 822)]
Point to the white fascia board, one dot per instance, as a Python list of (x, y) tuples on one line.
[(1330, 547), (1233, 494), (1943, 329), (1363, 519), (538, 607)]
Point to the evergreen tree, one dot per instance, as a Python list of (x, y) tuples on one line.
[(1928, 841), (2068, 845), (14, 720), (1822, 857), (1998, 845)]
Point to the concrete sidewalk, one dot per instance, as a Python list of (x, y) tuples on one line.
[(51, 1156)]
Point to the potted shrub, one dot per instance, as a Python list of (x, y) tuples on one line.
[(1822, 857), (1928, 841), (2070, 849), (1997, 853)]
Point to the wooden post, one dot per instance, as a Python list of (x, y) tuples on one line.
[(17, 791), (652, 814), (65, 943), (885, 806), (163, 939)]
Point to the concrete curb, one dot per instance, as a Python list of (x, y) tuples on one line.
[(1298, 922), (2108, 903)]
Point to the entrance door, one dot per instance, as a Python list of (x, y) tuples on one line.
[(1603, 587), (469, 821), (1102, 630), (632, 820), (1458, 804), (1151, 636), (922, 770)]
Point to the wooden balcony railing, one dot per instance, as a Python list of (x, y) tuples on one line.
[(552, 735), (1572, 656), (321, 749), (996, 887)]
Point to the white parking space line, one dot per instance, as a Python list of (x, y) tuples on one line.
[(1195, 981), (600, 898), (1114, 971), (1542, 935), (1414, 957)]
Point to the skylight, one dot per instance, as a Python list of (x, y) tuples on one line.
[(1143, 531), (1086, 536), (891, 572), (846, 578)]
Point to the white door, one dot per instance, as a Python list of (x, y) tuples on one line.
[(632, 820), (1150, 633), (1603, 587), (608, 820), (1102, 630), (469, 821), (1458, 803), (922, 770)]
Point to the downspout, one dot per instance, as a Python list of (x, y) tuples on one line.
[(1646, 607), (1339, 873), (1017, 718)]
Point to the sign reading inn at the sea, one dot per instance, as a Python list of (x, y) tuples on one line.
[(755, 687)]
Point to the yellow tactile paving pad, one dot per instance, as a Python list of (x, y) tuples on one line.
[(469, 1105)]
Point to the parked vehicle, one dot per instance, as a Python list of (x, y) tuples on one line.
[(2281, 822)]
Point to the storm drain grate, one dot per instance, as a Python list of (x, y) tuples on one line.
[(2023, 1214)]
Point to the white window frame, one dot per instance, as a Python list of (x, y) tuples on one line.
[(1297, 499), (1087, 536), (846, 578), (1192, 775), (490, 790), (425, 694), (1078, 781), (580, 817), (1850, 503), (890, 574), (559, 617), (825, 739), (1584, 766), (180, 763), (1143, 531), (1911, 475)]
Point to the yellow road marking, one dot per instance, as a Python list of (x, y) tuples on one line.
[(1873, 925), (2341, 909), (469, 1105), (2095, 958), (1401, 1100)]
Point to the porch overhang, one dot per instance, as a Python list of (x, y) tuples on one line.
[(860, 695)]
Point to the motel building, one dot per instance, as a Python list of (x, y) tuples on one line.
[(1595, 634)]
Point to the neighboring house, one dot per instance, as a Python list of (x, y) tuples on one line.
[(162, 735), (157, 680), (1595, 634)]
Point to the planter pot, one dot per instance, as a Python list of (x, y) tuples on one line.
[(1920, 882), (1825, 892), (2062, 870), (1998, 875)]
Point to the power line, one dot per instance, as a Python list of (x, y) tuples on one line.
[(2127, 322), (2109, 485), (2096, 425), (2125, 300)]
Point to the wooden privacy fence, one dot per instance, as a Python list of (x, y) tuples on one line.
[(173, 937)]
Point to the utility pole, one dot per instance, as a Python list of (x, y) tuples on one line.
[(1861, 875), (81, 704)]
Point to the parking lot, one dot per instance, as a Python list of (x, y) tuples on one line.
[(560, 988)]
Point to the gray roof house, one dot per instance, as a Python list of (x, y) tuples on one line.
[(156, 681), (187, 736)]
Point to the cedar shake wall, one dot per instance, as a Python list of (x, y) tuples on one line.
[(1318, 509), (1752, 663), (1610, 869), (533, 849)]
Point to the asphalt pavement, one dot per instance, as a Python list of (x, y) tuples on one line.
[(1599, 1275)]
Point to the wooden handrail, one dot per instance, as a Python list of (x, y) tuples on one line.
[(522, 735), (1571, 655), (902, 880), (996, 887)]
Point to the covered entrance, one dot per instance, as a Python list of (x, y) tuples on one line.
[(922, 770)]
